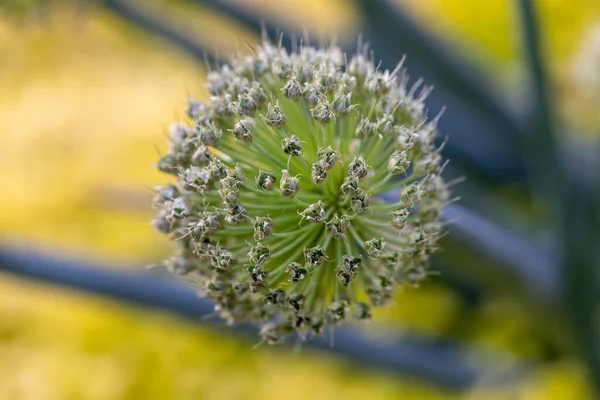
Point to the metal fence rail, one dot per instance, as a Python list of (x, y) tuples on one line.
[(441, 362)]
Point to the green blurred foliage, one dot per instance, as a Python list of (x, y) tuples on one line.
[(85, 101)]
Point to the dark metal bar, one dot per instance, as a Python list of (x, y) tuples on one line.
[(139, 16), (572, 209), (441, 362)]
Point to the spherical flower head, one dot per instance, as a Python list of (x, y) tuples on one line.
[(275, 210)]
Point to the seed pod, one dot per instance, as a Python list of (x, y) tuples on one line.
[(275, 117), (275, 297), (336, 226), (314, 256), (292, 145), (289, 185), (318, 173), (265, 180), (246, 105), (236, 215), (259, 253), (208, 133), (244, 129), (350, 186), (398, 163), (322, 112), (327, 157), (297, 272), (347, 271), (360, 201), (337, 311), (374, 248), (341, 104), (257, 278), (292, 89), (410, 194), (202, 156), (365, 129), (314, 213), (358, 168), (263, 228), (362, 311), (399, 218), (237, 177)]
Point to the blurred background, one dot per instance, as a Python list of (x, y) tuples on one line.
[(88, 90)]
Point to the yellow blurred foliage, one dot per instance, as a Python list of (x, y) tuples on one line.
[(84, 101)]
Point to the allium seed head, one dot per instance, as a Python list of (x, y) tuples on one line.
[(297, 258)]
